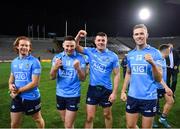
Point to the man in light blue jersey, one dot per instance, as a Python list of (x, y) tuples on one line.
[(102, 63), (23, 84), (143, 73), (163, 90), (68, 67)]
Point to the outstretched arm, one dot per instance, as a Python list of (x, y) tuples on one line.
[(78, 37)]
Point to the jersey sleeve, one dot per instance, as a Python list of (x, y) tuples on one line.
[(87, 51), (86, 58), (82, 62), (36, 67), (12, 67), (158, 59), (128, 61), (53, 60)]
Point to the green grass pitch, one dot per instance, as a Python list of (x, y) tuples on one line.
[(50, 114)]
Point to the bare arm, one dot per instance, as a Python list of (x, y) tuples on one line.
[(11, 82), (157, 73), (53, 72), (116, 79), (125, 84), (34, 83), (54, 69), (116, 72), (78, 37), (167, 89)]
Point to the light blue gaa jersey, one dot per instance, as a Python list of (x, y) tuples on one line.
[(142, 83), (164, 73), (86, 59), (22, 70), (101, 66), (68, 83)]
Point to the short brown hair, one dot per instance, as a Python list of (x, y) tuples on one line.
[(69, 38), (101, 34), (16, 42), (139, 26)]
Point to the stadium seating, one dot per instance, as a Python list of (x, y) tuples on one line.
[(45, 49)]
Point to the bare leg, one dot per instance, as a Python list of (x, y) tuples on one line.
[(37, 117), (131, 120), (147, 122), (90, 114), (108, 117), (168, 105), (69, 119), (16, 118)]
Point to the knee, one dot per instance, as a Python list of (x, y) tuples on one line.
[(15, 124), (68, 125), (108, 115), (90, 118), (39, 120), (131, 126)]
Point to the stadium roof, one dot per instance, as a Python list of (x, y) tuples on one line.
[(115, 17)]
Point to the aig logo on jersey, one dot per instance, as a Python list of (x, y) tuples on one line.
[(20, 76), (139, 69), (67, 73), (99, 67)]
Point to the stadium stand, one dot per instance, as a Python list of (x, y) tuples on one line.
[(155, 42), (40, 48), (45, 49)]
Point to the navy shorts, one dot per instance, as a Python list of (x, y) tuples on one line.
[(98, 95), (29, 107), (161, 93), (146, 107), (69, 103)]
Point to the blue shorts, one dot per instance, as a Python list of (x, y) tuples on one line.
[(98, 95), (29, 107), (146, 107), (69, 103)]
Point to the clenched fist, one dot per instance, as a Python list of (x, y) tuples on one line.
[(149, 58), (76, 64), (58, 63), (82, 33)]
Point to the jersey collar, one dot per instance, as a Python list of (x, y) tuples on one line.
[(105, 50), (147, 47), (24, 57), (65, 54)]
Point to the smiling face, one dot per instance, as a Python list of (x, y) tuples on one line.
[(69, 46), (101, 42), (140, 36), (24, 47)]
